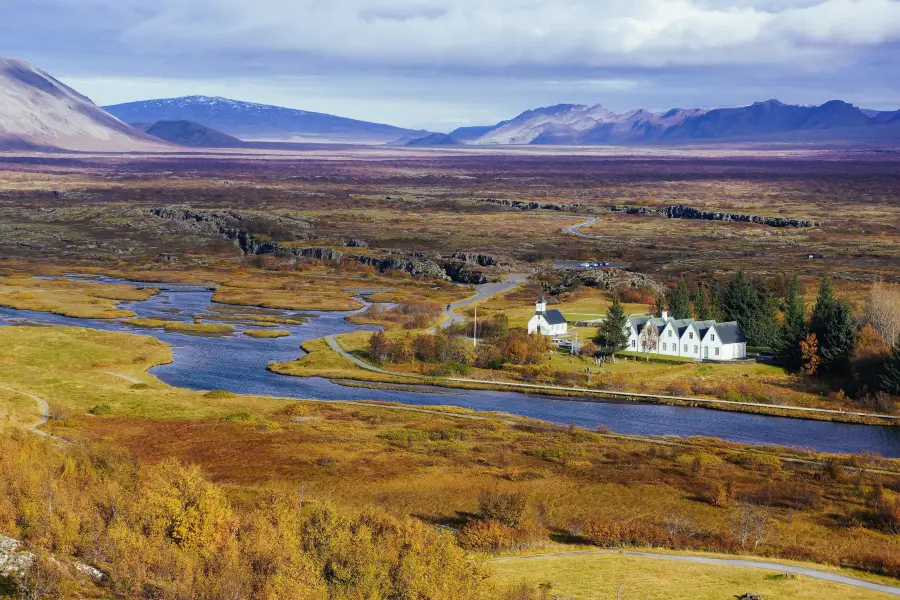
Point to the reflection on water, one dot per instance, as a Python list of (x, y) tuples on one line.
[(238, 364)]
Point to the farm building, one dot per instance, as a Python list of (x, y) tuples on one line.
[(547, 322), (701, 340)]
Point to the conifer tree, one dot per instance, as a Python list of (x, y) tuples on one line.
[(794, 329), (701, 304), (752, 305), (611, 332), (680, 301), (834, 326), (660, 306), (890, 377)]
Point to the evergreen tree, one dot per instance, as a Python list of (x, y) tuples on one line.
[(890, 377), (752, 305), (660, 306), (611, 332), (701, 304), (680, 301), (835, 328), (794, 329)]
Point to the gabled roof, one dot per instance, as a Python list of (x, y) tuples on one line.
[(554, 317), (730, 333)]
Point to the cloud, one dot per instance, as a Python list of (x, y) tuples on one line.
[(500, 34), (426, 62)]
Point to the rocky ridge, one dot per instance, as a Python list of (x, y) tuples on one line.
[(688, 212)]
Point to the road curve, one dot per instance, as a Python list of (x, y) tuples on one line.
[(45, 412), (732, 562), (483, 292)]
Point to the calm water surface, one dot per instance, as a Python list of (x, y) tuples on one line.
[(238, 364)]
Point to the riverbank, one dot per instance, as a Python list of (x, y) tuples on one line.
[(326, 358)]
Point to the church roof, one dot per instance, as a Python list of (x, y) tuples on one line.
[(554, 317)]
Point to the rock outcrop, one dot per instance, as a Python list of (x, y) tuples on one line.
[(523, 205), (610, 280), (681, 211), (482, 260)]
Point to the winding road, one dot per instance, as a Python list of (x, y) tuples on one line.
[(483, 292), (732, 562)]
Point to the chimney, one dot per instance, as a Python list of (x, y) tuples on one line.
[(665, 315)]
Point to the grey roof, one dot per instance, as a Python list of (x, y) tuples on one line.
[(554, 317), (730, 333)]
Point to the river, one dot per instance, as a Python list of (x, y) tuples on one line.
[(238, 363)]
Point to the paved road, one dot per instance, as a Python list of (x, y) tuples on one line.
[(483, 292), (769, 566)]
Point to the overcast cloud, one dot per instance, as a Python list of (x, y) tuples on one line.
[(443, 63)]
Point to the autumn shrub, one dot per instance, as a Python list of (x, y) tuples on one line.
[(507, 508), (486, 535), (559, 453), (699, 461)]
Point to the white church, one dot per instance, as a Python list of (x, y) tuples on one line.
[(547, 322), (700, 340)]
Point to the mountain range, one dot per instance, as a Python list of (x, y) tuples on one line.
[(575, 124), (39, 112), (260, 122)]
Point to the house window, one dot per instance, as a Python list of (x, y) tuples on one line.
[(712, 336), (717, 351), (671, 333), (664, 345), (696, 349), (691, 335), (634, 343), (685, 347)]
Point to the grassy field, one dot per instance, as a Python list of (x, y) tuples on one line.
[(266, 333), (432, 465), (618, 577), (84, 300), (181, 326)]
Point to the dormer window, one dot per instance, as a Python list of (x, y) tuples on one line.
[(691, 335), (713, 337), (671, 333)]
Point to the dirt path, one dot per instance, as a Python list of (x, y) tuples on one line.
[(45, 413), (732, 562), (121, 376)]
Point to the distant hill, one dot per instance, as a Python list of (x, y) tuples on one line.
[(260, 122), (188, 133), (435, 139), (39, 112), (568, 124)]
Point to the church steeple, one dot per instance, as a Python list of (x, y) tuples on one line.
[(541, 304)]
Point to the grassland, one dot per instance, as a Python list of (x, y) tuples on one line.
[(181, 326), (83, 300), (617, 577), (267, 333), (350, 453)]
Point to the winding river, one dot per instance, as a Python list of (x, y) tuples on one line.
[(238, 363)]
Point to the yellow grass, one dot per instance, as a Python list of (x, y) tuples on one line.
[(599, 577), (340, 452), (263, 333), (83, 300), (180, 326)]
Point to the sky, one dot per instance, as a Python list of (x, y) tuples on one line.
[(441, 64)]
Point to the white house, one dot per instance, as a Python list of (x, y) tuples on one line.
[(700, 340), (547, 322)]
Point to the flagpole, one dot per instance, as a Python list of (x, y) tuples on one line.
[(475, 329)]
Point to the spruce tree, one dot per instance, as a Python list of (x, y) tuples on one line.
[(752, 305), (680, 301), (794, 329), (835, 328), (659, 306), (611, 332), (890, 377), (701, 304)]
